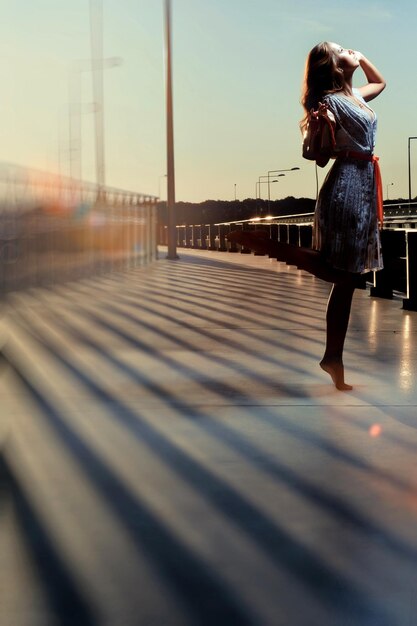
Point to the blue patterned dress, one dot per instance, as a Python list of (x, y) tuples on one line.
[(346, 226)]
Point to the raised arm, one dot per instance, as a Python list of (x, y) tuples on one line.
[(376, 82)]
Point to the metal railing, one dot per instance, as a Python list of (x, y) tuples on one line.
[(54, 229), (399, 244)]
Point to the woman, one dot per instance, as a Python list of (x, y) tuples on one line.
[(346, 240)]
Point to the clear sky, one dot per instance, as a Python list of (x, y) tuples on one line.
[(237, 65)]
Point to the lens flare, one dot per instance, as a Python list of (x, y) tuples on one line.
[(375, 430)]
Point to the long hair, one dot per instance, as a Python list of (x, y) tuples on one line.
[(322, 76)]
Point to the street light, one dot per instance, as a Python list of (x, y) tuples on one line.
[(258, 186), (409, 170), (172, 230), (388, 185), (262, 182), (269, 188), (76, 108), (291, 169)]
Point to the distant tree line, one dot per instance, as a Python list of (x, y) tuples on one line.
[(214, 211)]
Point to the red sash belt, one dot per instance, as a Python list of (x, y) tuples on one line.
[(362, 156)]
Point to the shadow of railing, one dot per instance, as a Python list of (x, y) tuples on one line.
[(204, 594), (68, 601), (76, 309), (111, 317)]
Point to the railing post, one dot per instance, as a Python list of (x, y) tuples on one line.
[(193, 239), (211, 237), (222, 238), (382, 287), (231, 246), (306, 235), (187, 236), (182, 236), (243, 249), (203, 236), (255, 228), (293, 234), (393, 253), (154, 227), (162, 234), (410, 302), (274, 232), (283, 233)]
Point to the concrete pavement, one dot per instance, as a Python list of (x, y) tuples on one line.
[(172, 455)]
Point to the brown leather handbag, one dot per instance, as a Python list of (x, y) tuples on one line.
[(319, 141)]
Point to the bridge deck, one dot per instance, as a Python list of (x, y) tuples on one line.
[(173, 455)]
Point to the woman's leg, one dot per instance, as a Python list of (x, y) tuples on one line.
[(304, 258), (339, 304), (337, 321)]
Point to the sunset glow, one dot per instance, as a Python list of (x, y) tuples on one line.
[(236, 89)]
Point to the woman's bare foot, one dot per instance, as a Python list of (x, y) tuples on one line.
[(335, 368)]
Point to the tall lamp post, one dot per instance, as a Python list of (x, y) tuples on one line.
[(76, 108), (258, 186), (96, 27), (409, 169), (262, 182), (291, 169), (172, 235)]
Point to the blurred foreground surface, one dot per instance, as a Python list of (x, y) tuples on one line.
[(54, 229), (171, 453)]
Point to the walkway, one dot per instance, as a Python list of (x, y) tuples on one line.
[(172, 455)]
